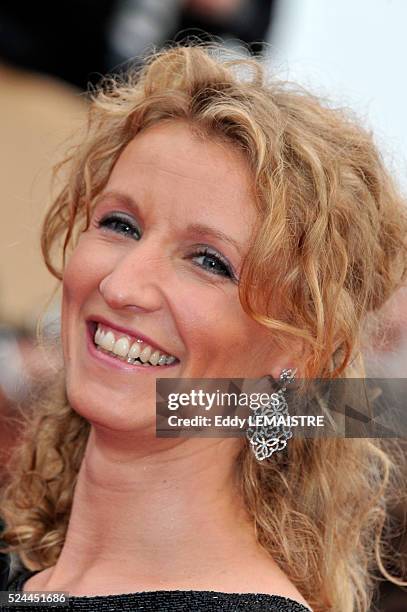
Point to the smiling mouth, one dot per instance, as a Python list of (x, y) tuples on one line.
[(130, 350)]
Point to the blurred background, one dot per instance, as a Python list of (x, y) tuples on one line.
[(350, 52)]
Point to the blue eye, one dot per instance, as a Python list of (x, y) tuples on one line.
[(210, 261), (121, 225), (213, 262)]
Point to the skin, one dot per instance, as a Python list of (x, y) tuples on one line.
[(191, 529)]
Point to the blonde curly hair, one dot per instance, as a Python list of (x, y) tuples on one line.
[(329, 249)]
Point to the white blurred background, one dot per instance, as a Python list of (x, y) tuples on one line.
[(355, 52)]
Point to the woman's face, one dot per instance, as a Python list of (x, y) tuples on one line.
[(158, 269)]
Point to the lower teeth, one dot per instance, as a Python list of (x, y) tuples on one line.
[(137, 361), (129, 360)]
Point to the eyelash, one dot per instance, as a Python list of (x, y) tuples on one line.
[(207, 252), (225, 271), (120, 219)]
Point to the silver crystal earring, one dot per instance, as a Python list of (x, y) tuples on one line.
[(270, 433)]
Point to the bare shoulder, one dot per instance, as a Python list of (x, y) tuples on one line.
[(268, 578), (38, 581)]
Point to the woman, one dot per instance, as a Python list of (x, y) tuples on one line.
[(214, 226)]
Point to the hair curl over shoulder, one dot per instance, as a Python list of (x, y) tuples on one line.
[(330, 247)]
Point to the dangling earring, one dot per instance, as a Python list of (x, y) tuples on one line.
[(267, 439)]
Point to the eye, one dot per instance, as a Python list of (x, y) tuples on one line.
[(213, 262), (120, 224)]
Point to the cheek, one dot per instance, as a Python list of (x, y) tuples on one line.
[(213, 323), (85, 269), (82, 276)]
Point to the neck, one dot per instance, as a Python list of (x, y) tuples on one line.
[(158, 519)]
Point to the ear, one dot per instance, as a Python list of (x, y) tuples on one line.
[(292, 358), (277, 370)]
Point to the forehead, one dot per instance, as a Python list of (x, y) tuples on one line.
[(187, 175)]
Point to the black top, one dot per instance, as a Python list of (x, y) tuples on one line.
[(166, 601)]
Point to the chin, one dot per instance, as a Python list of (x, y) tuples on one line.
[(111, 409)]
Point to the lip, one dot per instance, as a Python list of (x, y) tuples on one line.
[(132, 333), (111, 362)]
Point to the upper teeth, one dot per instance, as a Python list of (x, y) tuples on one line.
[(130, 350)]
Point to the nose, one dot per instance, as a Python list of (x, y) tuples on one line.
[(135, 281)]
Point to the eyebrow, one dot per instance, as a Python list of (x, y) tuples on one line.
[(116, 195), (198, 229), (202, 230)]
